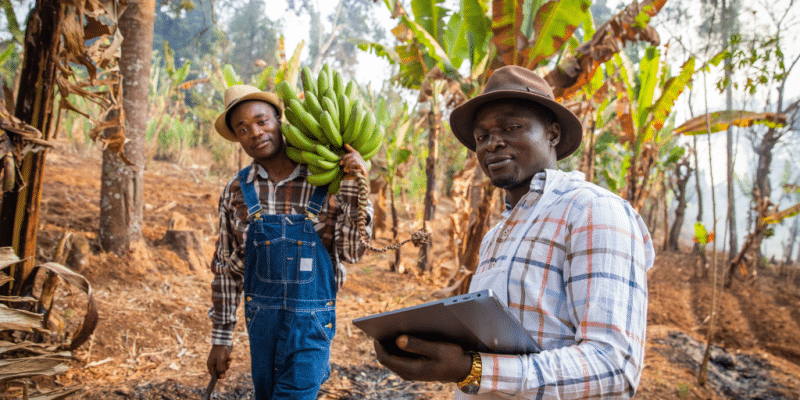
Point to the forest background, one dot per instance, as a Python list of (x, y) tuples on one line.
[(688, 108)]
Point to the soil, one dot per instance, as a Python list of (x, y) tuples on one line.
[(153, 336)]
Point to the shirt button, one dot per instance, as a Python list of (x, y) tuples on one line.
[(330, 303), (248, 320), (248, 298), (299, 243), (329, 326)]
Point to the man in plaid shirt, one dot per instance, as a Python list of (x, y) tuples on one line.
[(569, 258), (286, 262)]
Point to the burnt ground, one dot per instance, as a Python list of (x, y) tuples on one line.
[(152, 340)]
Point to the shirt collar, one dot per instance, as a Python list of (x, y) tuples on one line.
[(536, 187), (257, 169)]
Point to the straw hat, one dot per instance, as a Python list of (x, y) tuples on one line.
[(237, 94), (514, 82)]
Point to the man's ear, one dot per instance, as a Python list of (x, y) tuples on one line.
[(554, 133)]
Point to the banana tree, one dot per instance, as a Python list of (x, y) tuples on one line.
[(643, 105), (164, 92), (434, 44)]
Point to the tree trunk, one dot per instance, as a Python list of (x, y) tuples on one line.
[(121, 184), (429, 212), (679, 187), (793, 232), (764, 152), (587, 158), (19, 215), (697, 247), (395, 267)]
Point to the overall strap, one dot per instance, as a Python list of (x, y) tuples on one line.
[(249, 193), (316, 202)]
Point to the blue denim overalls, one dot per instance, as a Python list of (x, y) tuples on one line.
[(290, 292)]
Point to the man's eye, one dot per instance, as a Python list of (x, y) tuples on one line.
[(512, 128)]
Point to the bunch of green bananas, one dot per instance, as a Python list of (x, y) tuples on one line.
[(319, 126)]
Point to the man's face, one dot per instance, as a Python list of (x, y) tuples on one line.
[(257, 127), (513, 143)]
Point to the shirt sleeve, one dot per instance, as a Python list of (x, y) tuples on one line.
[(346, 236), (608, 253), (227, 266)]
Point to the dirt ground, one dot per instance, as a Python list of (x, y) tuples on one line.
[(153, 336)]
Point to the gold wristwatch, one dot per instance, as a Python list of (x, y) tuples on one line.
[(472, 383)]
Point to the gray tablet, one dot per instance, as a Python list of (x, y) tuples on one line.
[(477, 321)]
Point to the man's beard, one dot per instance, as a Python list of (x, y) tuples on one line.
[(509, 183)]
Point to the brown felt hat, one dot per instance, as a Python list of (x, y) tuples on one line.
[(237, 94), (514, 82)]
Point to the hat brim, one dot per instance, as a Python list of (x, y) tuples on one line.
[(222, 127), (463, 117)]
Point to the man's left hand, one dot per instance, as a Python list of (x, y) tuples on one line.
[(438, 361), (352, 160)]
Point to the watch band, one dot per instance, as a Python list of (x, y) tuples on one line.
[(472, 383)]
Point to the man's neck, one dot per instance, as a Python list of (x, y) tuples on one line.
[(278, 168)]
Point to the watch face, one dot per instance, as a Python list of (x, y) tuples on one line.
[(470, 389)]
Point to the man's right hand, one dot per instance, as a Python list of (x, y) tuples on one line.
[(219, 360)]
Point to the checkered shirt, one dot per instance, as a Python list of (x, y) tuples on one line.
[(578, 283), (336, 227)]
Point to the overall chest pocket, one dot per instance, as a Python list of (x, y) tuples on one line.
[(285, 260)]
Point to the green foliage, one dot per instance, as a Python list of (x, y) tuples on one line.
[(230, 75), (760, 61), (554, 24), (9, 61), (176, 136), (700, 233)]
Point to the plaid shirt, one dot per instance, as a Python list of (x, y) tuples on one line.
[(578, 283), (336, 227)]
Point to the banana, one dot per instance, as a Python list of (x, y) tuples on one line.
[(350, 90), (295, 155), (312, 105), (344, 111), (326, 68), (323, 83), (326, 153), (332, 134), (315, 170), (323, 178), (335, 184), (308, 121), (313, 159), (309, 83), (331, 114), (296, 138), (329, 106), (371, 154), (338, 84), (356, 119), (372, 143), (292, 118), (363, 132), (286, 92)]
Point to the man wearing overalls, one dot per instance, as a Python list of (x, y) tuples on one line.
[(281, 244)]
